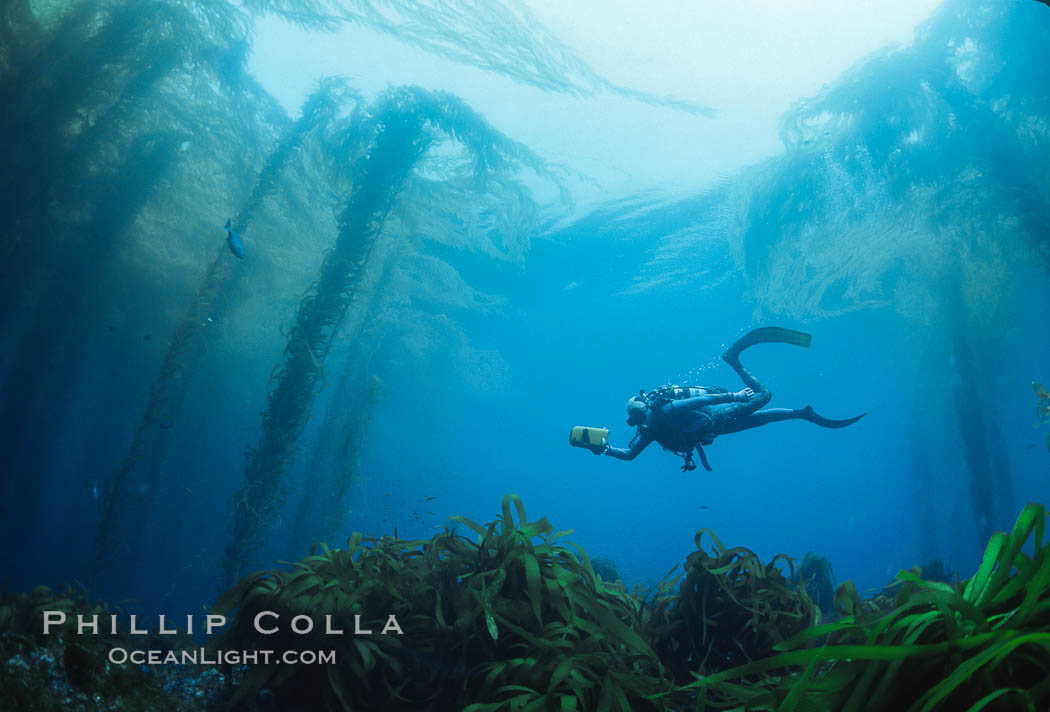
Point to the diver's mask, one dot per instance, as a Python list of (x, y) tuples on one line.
[(636, 411)]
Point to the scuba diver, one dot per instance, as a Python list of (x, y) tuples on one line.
[(684, 419)]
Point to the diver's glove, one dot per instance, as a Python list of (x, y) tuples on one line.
[(599, 449)]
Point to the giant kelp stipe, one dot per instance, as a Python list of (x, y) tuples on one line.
[(451, 249), (128, 494), (383, 143), (98, 138), (324, 502)]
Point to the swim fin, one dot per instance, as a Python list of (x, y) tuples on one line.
[(767, 335), (812, 416)]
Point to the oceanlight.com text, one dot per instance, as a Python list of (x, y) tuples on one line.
[(203, 656)]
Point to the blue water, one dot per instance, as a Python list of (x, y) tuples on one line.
[(904, 225)]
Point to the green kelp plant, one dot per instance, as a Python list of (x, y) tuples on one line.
[(129, 492), (515, 620), (460, 30), (87, 147), (904, 185), (324, 502), (380, 147), (979, 645), (729, 608), (819, 579), (115, 136), (334, 462)]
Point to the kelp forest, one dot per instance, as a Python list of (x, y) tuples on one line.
[(189, 408)]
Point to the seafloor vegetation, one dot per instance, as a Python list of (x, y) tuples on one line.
[(66, 671), (512, 616)]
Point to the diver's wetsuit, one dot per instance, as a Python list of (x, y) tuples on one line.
[(677, 425), (681, 425)]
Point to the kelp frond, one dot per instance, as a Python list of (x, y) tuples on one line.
[(513, 619), (979, 644)]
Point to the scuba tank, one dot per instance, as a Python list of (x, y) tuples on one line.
[(665, 394)]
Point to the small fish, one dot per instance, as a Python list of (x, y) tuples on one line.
[(166, 424), (430, 498), (94, 489), (188, 490), (233, 239), (147, 337)]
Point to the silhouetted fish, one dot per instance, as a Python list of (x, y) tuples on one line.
[(233, 239), (165, 424)]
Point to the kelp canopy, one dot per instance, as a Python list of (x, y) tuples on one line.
[(127, 124), (526, 51), (918, 181), (913, 190), (137, 131)]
